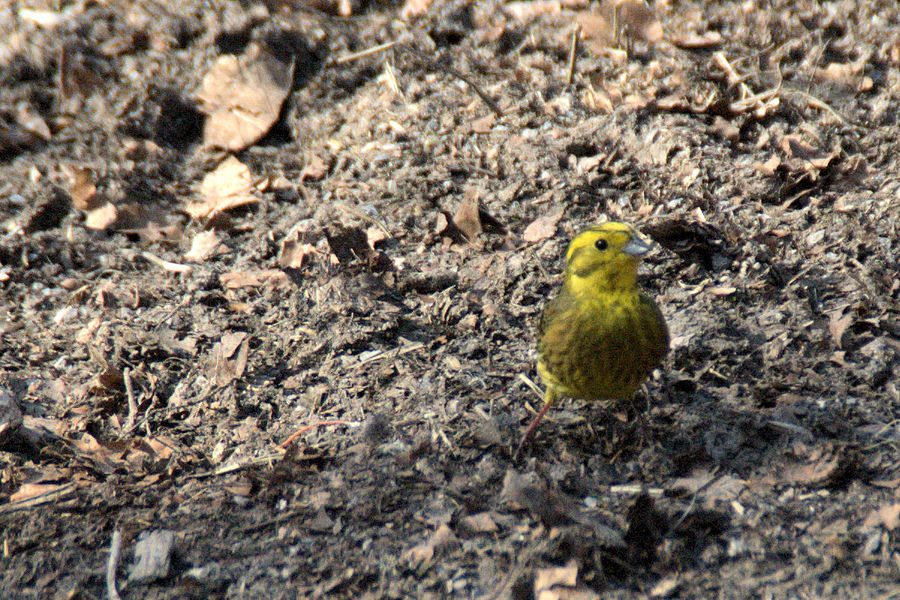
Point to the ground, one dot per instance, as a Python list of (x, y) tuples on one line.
[(373, 287)]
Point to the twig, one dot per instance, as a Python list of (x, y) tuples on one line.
[(791, 427), (378, 355), (450, 71), (132, 404), (367, 218), (572, 50), (693, 502), (115, 551), (165, 264), (531, 385), (634, 489), (63, 492), (363, 53), (303, 430), (818, 104), (237, 466)]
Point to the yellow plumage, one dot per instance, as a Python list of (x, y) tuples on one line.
[(601, 336)]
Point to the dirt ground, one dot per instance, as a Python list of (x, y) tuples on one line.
[(369, 285)]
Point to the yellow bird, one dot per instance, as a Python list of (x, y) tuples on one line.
[(601, 336)]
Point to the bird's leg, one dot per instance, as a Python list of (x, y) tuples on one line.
[(642, 425), (550, 397)]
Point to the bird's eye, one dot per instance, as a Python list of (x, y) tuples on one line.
[(601, 244)]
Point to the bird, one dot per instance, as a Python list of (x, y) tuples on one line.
[(600, 337)]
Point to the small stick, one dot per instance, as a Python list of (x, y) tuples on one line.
[(363, 53), (572, 49), (132, 404), (303, 430), (450, 71), (115, 551), (165, 264), (531, 385)]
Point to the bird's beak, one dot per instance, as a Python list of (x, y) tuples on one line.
[(636, 247)]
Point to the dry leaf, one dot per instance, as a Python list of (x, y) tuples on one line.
[(229, 357), (348, 243), (242, 97), (467, 218), (637, 19), (484, 124), (203, 246), (275, 278), (838, 322), (768, 167), (82, 188), (482, 522), (559, 583), (101, 218), (293, 254), (847, 74), (795, 147), (422, 555), (722, 290), (888, 516), (227, 187), (665, 587), (32, 123), (314, 169), (30, 490), (414, 8), (530, 9), (688, 41), (542, 228), (601, 29), (599, 100), (815, 472)]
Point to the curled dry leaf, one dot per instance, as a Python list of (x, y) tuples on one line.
[(665, 587), (242, 97)]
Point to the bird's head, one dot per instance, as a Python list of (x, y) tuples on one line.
[(604, 258)]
